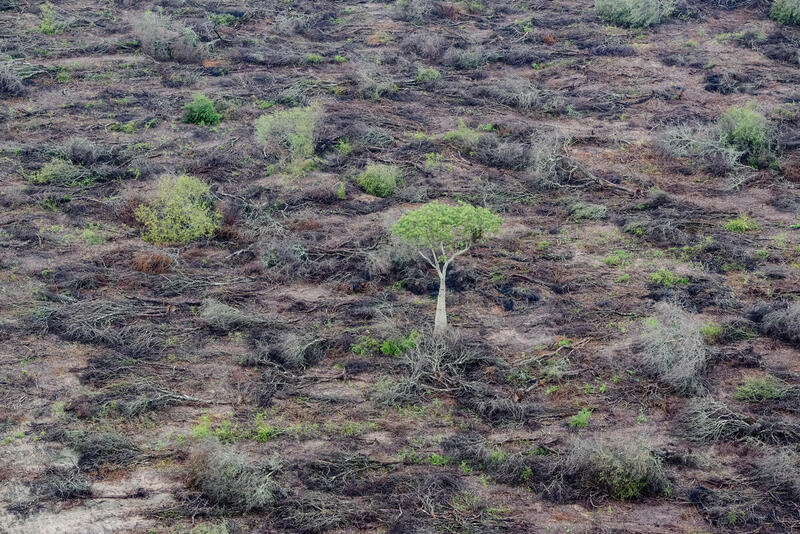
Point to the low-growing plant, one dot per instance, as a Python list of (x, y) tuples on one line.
[(427, 75), (617, 258), (61, 172), (741, 224), (312, 58), (587, 211), (201, 111), (181, 211), (671, 348), (465, 59), (762, 388), (581, 419), (666, 278), (634, 13), (747, 130), (289, 134), (379, 180), (785, 11), (166, 40), (463, 137), (48, 24)]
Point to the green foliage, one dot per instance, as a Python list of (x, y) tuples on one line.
[(445, 228), (581, 419), (426, 75), (47, 21), (711, 331), (617, 258), (785, 11), (584, 210), (222, 19), (463, 137), (62, 172), (201, 111), (762, 388), (289, 134), (741, 224), (666, 278), (397, 346), (181, 211), (312, 58), (747, 130), (634, 13), (379, 180)]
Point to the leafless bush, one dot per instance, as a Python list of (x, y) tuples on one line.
[(783, 324), (227, 480), (416, 11), (82, 151), (292, 24), (707, 420), (166, 40), (223, 317), (501, 154), (61, 483), (671, 348), (426, 45), (524, 96), (10, 82), (780, 473), (465, 58), (289, 349), (702, 146), (97, 449)]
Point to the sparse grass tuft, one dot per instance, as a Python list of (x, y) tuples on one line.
[(634, 13), (666, 278), (201, 111), (379, 180), (762, 389), (671, 348), (741, 224), (180, 212)]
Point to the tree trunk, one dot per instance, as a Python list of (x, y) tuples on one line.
[(440, 322)]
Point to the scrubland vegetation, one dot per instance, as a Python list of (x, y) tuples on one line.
[(405, 266)]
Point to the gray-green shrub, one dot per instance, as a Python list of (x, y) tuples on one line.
[(289, 135), (785, 11), (634, 13), (746, 130), (379, 180), (163, 39)]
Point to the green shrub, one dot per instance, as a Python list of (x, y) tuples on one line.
[(584, 210), (427, 75), (47, 21), (379, 180), (181, 211), (201, 111), (624, 470), (289, 134), (581, 419), (634, 13), (166, 40), (747, 130), (741, 224), (762, 388), (785, 11), (313, 59), (666, 278), (61, 172), (463, 137)]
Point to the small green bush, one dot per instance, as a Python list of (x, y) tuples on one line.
[(762, 388), (741, 224), (785, 11), (61, 172), (289, 134), (181, 211), (581, 419), (634, 13), (379, 180), (666, 278), (427, 75), (587, 211), (47, 22), (463, 137), (201, 111), (747, 130)]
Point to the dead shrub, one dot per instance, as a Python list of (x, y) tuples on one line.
[(426, 45), (223, 317), (289, 349), (230, 482), (10, 82), (783, 323), (707, 420), (779, 473), (61, 483), (151, 262), (671, 349), (166, 40), (99, 449)]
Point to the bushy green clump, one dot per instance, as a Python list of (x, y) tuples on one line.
[(379, 180), (289, 134), (201, 111), (48, 24), (61, 172), (624, 470), (666, 278), (747, 130), (785, 11), (427, 75), (634, 13), (581, 419), (762, 388), (587, 211), (181, 211), (741, 224), (463, 137)]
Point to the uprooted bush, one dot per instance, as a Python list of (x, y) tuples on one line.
[(703, 146), (227, 480), (707, 420), (10, 82), (290, 349), (671, 348), (223, 317), (181, 211), (624, 469), (61, 483), (782, 322), (634, 13), (164, 39)]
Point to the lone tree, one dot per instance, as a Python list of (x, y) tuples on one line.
[(441, 233)]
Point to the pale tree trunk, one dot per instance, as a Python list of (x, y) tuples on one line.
[(440, 321)]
